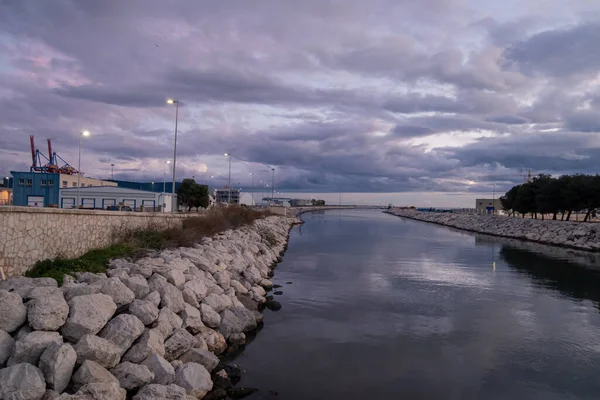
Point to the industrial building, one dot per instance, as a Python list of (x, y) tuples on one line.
[(103, 197), (488, 206), (161, 186), (300, 202), (222, 196)]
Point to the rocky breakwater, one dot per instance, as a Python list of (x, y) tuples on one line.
[(578, 235), (147, 330)]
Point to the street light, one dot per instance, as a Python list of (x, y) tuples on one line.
[(164, 203), (84, 133), (229, 181), (112, 172), (273, 185), (176, 102), (252, 173)]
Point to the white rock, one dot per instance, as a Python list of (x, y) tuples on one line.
[(149, 343), (190, 297), (51, 395), (22, 382), (179, 342), (174, 277), (171, 298), (239, 288), (146, 311), (22, 285), (87, 315), (198, 287), (131, 375), (57, 363), (116, 289), (122, 331), (192, 319), (157, 282), (138, 285), (194, 378), (217, 302), (214, 340), (202, 357), (121, 273), (163, 371), (30, 348), (78, 289), (47, 309), (253, 275), (223, 279), (209, 316), (99, 350), (100, 391), (200, 342), (154, 298), (230, 323), (161, 392), (167, 322), (92, 372), (237, 339), (246, 316), (143, 270), (7, 345), (13, 312), (89, 277)]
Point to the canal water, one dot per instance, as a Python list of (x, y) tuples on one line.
[(379, 307)]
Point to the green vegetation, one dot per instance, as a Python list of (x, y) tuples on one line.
[(547, 195), (137, 243), (315, 202), (192, 195)]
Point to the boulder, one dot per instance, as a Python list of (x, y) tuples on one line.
[(200, 342), (131, 375), (89, 277), (138, 285), (22, 285), (190, 297), (167, 322), (116, 289), (47, 310), (154, 298), (194, 378), (176, 364), (253, 275), (174, 277), (192, 319), (99, 350), (22, 332), (122, 331), (247, 317), (198, 287), (237, 339), (121, 273), (100, 391), (30, 348), (13, 312), (22, 382), (163, 371), (161, 392), (78, 289), (149, 343), (214, 340), (144, 270), (171, 298), (57, 363), (247, 301), (7, 345), (217, 302), (238, 287), (146, 311), (202, 357), (209, 316), (51, 395), (92, 372), (230, 323), (223, 279), (157, 282), (179, 342), (87, 315)]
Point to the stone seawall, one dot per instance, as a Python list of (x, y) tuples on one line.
[(147, 330), (578, 235), (29, 234)]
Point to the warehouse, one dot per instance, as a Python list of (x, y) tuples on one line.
[(102, 197)]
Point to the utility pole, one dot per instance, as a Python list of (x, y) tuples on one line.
[(273, 185), (494, 201), (112, 172)]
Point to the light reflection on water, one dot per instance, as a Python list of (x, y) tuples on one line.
[(389, 308)]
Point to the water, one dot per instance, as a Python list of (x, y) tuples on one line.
[(386, 308)]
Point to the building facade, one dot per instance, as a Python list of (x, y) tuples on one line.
[(222, 196), (488, 206), (300, 202), (105, 197)]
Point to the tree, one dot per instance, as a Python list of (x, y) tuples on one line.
[(190, 194), (509, 199)]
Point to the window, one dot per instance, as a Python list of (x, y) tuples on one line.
[(65, 184), (50, 182), (21, 182), (74, 184), (29, 182), (43, 182), (89, 185), (82, 185)]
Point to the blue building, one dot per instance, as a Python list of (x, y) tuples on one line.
[(36, 189)]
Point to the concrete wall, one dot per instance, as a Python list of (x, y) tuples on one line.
[(29, 234)]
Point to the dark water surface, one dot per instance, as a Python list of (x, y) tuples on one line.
[(386, 308)]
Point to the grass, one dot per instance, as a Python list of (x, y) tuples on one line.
[(137, 243)]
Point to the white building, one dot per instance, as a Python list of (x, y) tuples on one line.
[(226, 195), (102, 197)]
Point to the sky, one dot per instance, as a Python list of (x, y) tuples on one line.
[(416, 97)]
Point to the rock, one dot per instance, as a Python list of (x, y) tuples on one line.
[(179, 342), (194, 378), (238, 287), (198, 287), (122, 331), (171, 298), (237, 339), (278, 293), (51, 395), (154, 298), (266, 284), (202, 357), (230, 323), (174, 277), (247, 317), (121, 273), (138, 285), (247, 301), (167, 322), (223, 279), (87, 315), (57, 363), (253, 275), (161, 392), (234, 372), (176, 364), (214, 340), (258, 291), (210, 317), (13, 312), (221, 380), (92, 372), (200, 342), (131, 375), (99, 350), (7, 345), (100, 391), (89, 277), (22, 332), (22, 382), (190, 297), (149, 343), (78, 289), (163, 371), (47, 309), (217, 302), (192, 320), (216, 394), (240, 393), (273, 305), (157, 282), (22, 285), (116, 289), (146, 311), (30, 348), (143, 270)]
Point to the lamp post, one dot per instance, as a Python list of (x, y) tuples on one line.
[(229, 180), (112, 172), (164, 203), (273, 185), (84, 133), (176, 102), (494, 201), (252, 173)]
